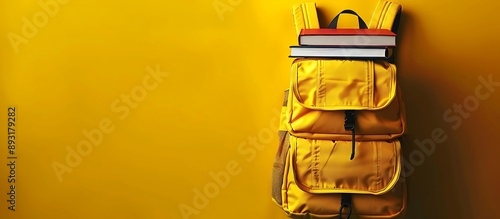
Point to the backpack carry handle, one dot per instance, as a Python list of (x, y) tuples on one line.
[(333, 24)]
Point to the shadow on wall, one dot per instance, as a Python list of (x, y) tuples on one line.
[(431, 149)]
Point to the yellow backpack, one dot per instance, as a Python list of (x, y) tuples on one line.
[(339, 155)]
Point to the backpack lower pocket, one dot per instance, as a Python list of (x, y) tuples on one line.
[(319, 172)]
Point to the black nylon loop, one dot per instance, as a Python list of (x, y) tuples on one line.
[(333, 24), (342, 209), (345, 202)]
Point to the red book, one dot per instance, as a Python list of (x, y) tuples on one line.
[(347, 37)]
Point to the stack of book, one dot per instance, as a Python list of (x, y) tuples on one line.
[(344, 43)]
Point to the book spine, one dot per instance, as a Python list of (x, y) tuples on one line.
[(305, 16)]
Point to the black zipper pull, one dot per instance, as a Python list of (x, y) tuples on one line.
[(345, 202), (350, 124)]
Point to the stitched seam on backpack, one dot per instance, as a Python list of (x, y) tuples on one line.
[(315, 164), (377, 22), (320, 84), (380, 18), (371, 81), (382, 15), (367, 92), (377, 147), (306, 15), (389, 4)]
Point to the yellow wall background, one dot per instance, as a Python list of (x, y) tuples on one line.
[(92, 67)]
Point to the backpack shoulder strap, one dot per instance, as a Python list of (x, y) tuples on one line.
[(386, 16), (305, 16), (281, 154)]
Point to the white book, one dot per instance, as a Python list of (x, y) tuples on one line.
[(339, 52)]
